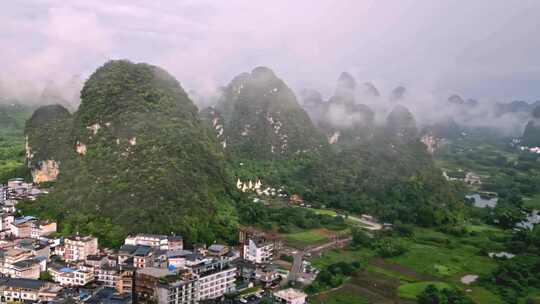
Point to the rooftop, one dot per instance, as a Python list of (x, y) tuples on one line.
[(155, 272), (217, 247), (22, 283)]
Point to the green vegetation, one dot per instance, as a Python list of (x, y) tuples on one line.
[(149, 160), (413, 290), (333, 276), (12, 118), (306, 238), (48, 133), (438, 293), (340, 296)]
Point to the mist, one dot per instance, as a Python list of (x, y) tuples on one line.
[(484, 50)]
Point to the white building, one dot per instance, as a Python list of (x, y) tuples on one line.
[(290, 296), (258, 251), (27, 290), (77, 248), (216, 283), (72, 276), (162, 242)]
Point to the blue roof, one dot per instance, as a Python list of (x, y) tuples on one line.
[(66, 269), (23, 219)]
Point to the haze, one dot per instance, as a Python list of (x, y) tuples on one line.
[(487, 50)]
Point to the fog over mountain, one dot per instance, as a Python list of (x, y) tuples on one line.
[(406, 52)]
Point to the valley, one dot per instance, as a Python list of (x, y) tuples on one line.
[(368, 218)]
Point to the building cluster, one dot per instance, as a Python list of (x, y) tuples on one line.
[(39, 265)]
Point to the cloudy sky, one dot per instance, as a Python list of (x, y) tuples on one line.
[(481, 49)]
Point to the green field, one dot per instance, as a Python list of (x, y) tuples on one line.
[(340, 296), (432, 256), (444, 256), (306, 238), (345, 255), (412, 290)]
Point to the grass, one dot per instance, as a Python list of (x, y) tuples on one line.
[(411, 290), (324, 211), (306, 238), (340, 296), (389, 273), (250, 290), (481, 295), (444, 256), (532, 202), (346, 255)]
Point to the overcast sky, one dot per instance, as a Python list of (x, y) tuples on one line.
[(481, 49)]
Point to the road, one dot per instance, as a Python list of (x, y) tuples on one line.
[(298, 257)]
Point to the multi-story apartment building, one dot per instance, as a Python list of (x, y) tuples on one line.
[(215, 280), (22, 227), (165, 287), (12, 256), (77, 248), (162, 242), (72, 276), (258, 250), (27, 290), (42, 228), (28, 269)]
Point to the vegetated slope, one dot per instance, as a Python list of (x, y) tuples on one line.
[(263, 120), (12, 118), (390, 176), (531, 134), (264, 131), (140, 161), (47, 141)]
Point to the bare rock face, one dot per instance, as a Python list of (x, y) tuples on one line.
[(46, 171), (432, 143)]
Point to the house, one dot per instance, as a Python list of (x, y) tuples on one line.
[(290, 296), (165, 287), (108, 276), (22, 227), (36, 247), (71, 276), (142, 257), (42, 228), (146, 283), (12, 256), (77, 248), (29, 269), (258, 250), (125, 283), (27, 290), (162, 242), (217, 250)]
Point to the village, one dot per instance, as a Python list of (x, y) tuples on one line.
[(39, 265)]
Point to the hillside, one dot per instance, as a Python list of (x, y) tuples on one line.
[(138, 154), (12, 118), (261, 119), (391, 175), (47, 142), (531, 134)]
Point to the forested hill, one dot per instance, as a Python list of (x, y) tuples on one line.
[(138, 153), (258, 117)]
